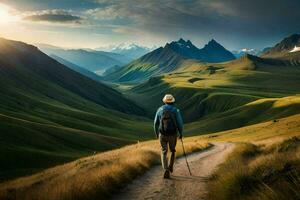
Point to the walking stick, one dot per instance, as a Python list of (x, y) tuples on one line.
[(187, 164)]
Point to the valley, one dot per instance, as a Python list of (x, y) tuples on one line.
[(54, 111)]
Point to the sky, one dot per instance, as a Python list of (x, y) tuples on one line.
[(236, 24)]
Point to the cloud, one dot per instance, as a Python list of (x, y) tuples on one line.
[(108, 13), (239, 23), (234, 23), (53, 16)]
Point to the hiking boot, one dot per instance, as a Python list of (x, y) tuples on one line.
[(171, 169), (167, 174)]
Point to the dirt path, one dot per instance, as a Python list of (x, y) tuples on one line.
[(181, 185)]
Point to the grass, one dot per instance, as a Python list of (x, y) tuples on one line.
[(202, 94), (100, 175), (265, 163), (255, 112), (267, 171), (94, 177), (50, 114), (270, 131)]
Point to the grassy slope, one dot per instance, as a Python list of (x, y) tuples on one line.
[(104, 173), (94, 177), (248, 114), (260, 171), (51, 114), (203, 90), (159, 61)]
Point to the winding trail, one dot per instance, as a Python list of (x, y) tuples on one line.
[(181, 186)]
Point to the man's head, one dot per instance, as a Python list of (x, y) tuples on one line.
[(168, 99)]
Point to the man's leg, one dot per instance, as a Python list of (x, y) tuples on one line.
[(172, 145), (164, 151)]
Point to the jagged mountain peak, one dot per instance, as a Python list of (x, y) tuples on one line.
[(284, 47), (181, 41), (213, 44), (289, 42), (183, 48), (213, 41)]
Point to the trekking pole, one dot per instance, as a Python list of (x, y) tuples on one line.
[(187, 164)]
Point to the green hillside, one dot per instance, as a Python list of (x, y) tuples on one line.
[(161, 60), (200, 88), (51, 114), (255, 112)]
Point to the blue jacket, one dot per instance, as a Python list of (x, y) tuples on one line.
[(159, 114)]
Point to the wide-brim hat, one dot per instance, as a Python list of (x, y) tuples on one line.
[(168, 98)]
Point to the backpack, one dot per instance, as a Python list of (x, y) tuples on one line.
[(168, 124)]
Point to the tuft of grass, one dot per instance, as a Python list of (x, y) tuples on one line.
[(254, 172), (290, 144), (94, 177), (231, 179)]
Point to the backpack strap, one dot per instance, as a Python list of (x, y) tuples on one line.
[(174, 120), (161, 121)]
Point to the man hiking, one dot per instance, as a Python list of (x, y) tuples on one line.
[(167, 123)]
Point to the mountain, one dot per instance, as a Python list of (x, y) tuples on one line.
[(239, 53), (214, 52), (94, 61), (204, 90), (50, 114), (285, 48), (132, 50), (111, 70), (76, 68), (168, 58)]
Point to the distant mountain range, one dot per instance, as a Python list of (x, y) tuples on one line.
[(131, 50), (76, 68), (92, 60), (239, 53), (168, 58)]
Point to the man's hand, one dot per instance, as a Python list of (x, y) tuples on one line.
[(180, 137)]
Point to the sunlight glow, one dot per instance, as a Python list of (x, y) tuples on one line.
[(6, 15)]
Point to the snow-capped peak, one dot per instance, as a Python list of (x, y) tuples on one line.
[(126, 46), (295, 49), (122, 47), (247, 50)]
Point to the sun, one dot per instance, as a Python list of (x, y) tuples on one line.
[(5, 14)]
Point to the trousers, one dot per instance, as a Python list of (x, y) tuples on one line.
[(167, 142)]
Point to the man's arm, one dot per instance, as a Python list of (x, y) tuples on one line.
[(179, 122), (156, 122)]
